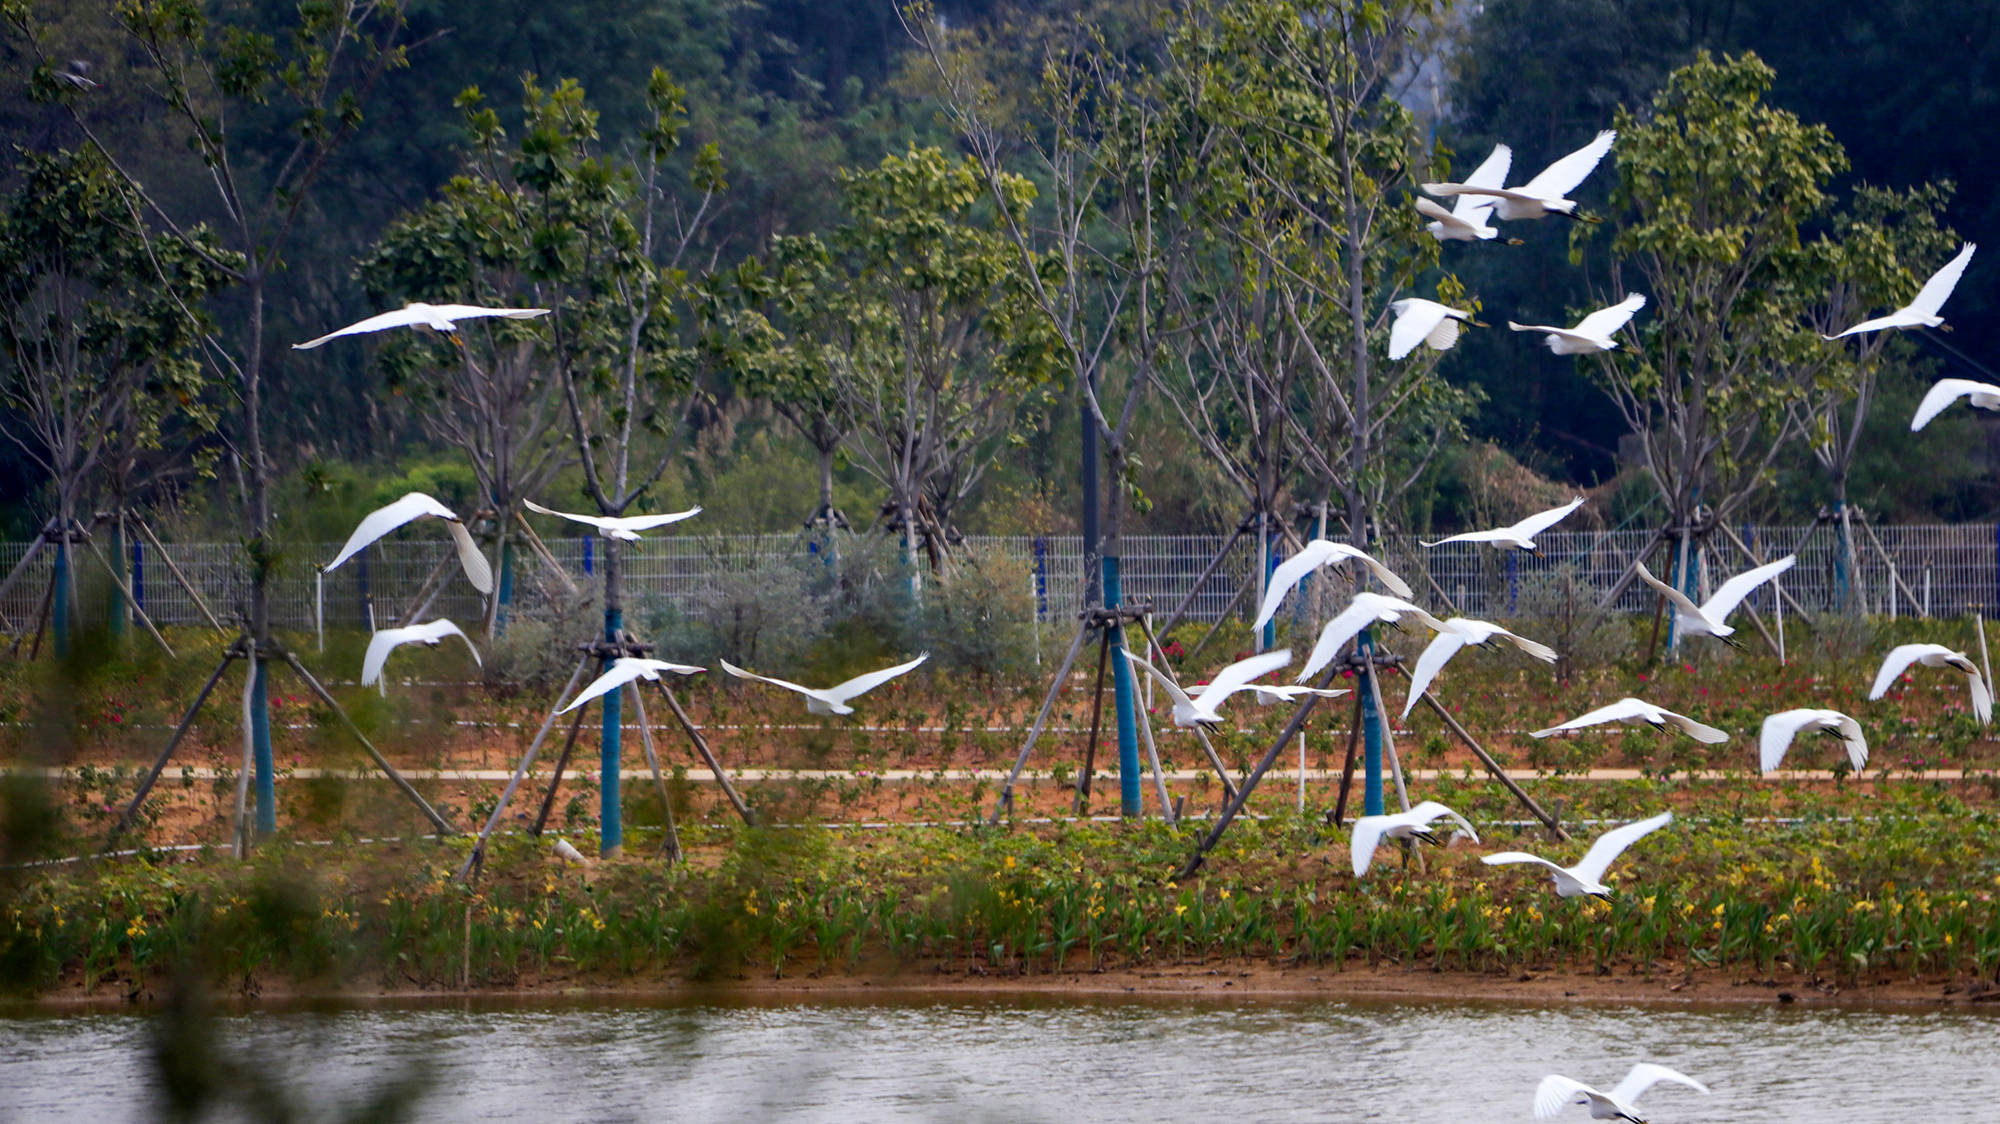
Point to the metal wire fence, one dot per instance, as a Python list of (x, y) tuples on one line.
[(1913, 570)]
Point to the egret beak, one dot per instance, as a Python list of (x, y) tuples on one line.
[(1732, 641), (1476, 324), (1516, 242)]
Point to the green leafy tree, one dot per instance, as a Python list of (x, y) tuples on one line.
[(100, 325)]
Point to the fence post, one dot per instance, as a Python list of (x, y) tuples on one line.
[(139, 573), (1513, 582), (586, 554)]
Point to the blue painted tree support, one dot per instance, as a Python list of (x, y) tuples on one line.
[(115, 611), (1125, 702), (504, 593), (59, 622), (610, 816), (1842, 546), (260, 740), (1371, 730), (1270, 639)]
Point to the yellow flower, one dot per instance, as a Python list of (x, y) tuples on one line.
[(1180, 909), (1225, 895)]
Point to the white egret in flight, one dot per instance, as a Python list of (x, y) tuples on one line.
[(1586, 878), (1638, 710), (1782, 727), (1426, 322), (1922, 312), (1456, 634), (413, 506), (1592, 333), (1936, 655), (625, 528), (1520, 536), (1369, 831), (417, 314), (624, 670), (1710, 618), (832, 700), (1199, 708), (1543, 195), (388, 639), (1556, 1091), (1317, 553)]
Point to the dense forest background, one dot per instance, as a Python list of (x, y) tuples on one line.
[(790, 92)]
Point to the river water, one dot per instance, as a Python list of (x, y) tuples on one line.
[(1036, 1059)]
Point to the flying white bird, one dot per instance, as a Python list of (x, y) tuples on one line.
[(1201, 706), (624, 670), (624, 527), (1922, 312), (1710, 618), (413, 506), (1936, 655), (1428, 322), (387, 639), (1456, 634), (1638, 710), (1587, 877), (417, 314), (1276, 693), (1369, 831), (1944, 392), (833, 700), (1466, 221), (1543, 195), (1557, 1091), (1782, 727), (1592, 333), (1366, 609), (1520, 536), (1313, 555)]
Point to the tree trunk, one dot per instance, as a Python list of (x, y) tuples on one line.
[(611, 826)]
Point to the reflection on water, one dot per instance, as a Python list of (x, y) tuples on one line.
[(1040, 1059)]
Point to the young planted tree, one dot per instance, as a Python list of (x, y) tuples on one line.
[(1714, 187), (1878, 251), (490, 390), (604, 242), (957, 345), (1097, 256), (209, 77), (100, 321)]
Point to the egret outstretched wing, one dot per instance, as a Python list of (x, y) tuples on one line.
[(1435, 655), (1317, 553), (1416, 321), (862, 684), (1556, 1092), (622, 671), (386, 640), (1605, 322), (1946, 391), (1542, 520), (387, 518), (1431, 809), (1899, 660), (1366, 837), (1731, 593), (1644, 1076), (1931, 298), (1613, 843), (787, 684), (1238, 675), (1560, 178), (1503, 858), (1675, 597), (1166, 682)]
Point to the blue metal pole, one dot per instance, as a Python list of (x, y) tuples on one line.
[(505, 593), (586, 554), (1371, 730), (114, 603), (1127, 710), (610, 819), (1513, 581), (59, 613), (1841, 578), (1270, 639), (1041, 577), (139, 573), (260, 736)]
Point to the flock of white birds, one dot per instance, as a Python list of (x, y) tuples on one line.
[(1480, 200)]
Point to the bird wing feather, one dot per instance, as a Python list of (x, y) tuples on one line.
[(1942, 394), (1431, 809), (785, 683), (1430, 208), (379, 646), (1534, 648), (1896, 663), (1166, 681), (1555, 1092), (474, 312), (1613, 843), (1412, 324), (617, 675), (1435, 655), (1443, 336), (1982, 698), (387, 518), (1542, 520), (591, 520), (1336, 634), (1682, 602), (1503, 858), (397, 318), (1606, 321), (1561, 177), (862, 684), (1932, 296), (1492, 172), (477, 570), (1366, 837), (1732, 592), (1644, 1076), (1619, 711), (1238, 675), (1857, 744), (1777, 734), (1288, 574), (648, 522), (1700, 731)]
